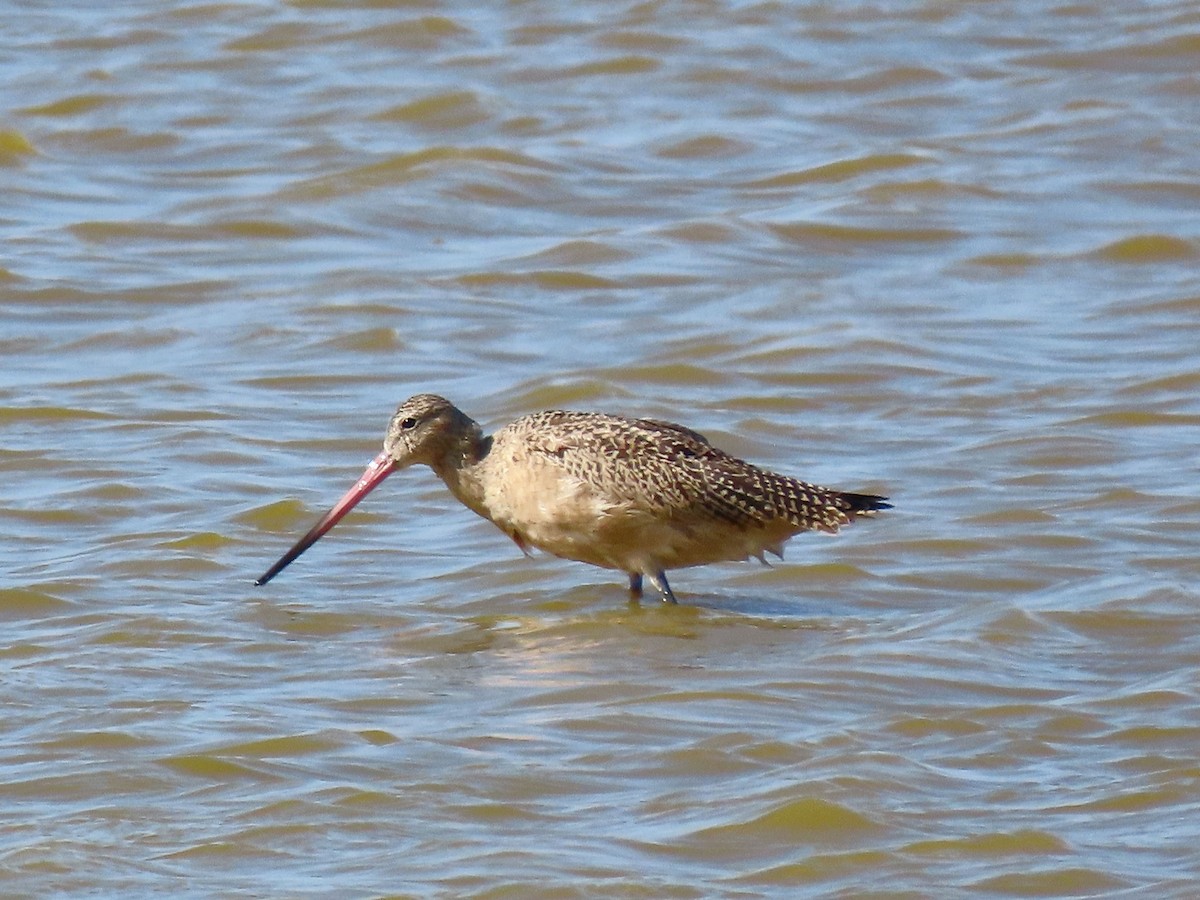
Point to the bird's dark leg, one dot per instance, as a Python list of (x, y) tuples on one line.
[(635, 585), (659, 580)]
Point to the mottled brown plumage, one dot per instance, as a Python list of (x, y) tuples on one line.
[(637, 495)]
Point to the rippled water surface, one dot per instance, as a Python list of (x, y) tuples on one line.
[(942, 251)]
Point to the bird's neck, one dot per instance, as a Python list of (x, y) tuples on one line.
[(459, 468)]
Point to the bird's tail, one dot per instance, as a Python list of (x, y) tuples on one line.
[(865, 503)]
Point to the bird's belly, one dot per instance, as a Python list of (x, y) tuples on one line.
[(633, 541), (545, 507), (563, 522)]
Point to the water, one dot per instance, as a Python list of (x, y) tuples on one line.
[(946, 252)]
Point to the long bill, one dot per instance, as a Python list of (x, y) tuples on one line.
[(379, 468)]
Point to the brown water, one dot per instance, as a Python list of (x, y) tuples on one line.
[(946, 252)]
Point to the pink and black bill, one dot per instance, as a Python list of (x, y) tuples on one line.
[(379, 469)]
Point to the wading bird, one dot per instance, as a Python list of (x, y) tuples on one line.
[(636, 495)]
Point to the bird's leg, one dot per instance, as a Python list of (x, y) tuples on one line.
[(659, 580), (635, 585)]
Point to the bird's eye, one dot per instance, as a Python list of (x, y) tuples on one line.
[(407, 423)]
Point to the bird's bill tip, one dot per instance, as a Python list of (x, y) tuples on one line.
[(378, 469)]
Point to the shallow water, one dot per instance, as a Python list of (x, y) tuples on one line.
[(946, 253)]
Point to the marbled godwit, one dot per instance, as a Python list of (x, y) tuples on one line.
[(636, 495)]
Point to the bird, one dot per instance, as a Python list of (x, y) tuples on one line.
[(640, 496)]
